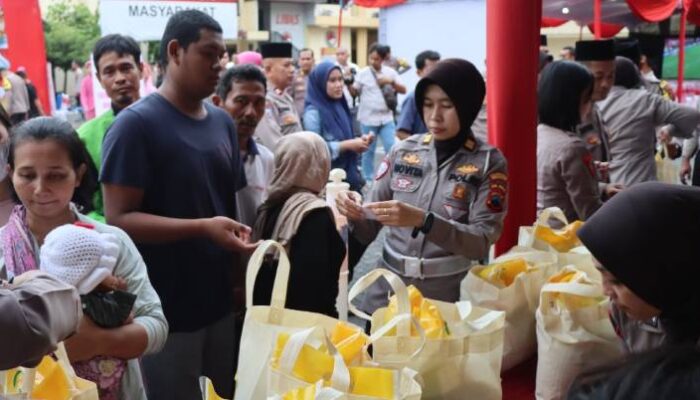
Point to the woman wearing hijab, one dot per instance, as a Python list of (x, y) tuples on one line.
[(326, 112), (297, 217), (566, 175), (442, 194), (645, 241), (632, 116)]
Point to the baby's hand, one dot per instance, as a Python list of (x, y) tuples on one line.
[(111, 283)]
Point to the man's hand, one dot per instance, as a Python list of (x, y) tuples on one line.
[(349, 204), (685, 170), (397, 213), (229, 234)]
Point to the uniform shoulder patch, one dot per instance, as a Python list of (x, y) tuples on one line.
[(495, 200), (382, 170)]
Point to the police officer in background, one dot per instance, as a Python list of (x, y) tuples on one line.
[(281, 117), (442, 194)]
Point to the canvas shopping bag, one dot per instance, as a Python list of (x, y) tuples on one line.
[(512, 284), (667, 170), (574, 332), (52, 379), (309, 355), (463, 363), (262, 324)]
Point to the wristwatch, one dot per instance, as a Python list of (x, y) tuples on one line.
[(427, 225)]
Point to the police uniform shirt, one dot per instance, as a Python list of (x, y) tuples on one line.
[(566, 175), (281, 118), (632, 116)]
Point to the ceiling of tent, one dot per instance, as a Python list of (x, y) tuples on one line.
[(613, 11)]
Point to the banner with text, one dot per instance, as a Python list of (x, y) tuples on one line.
[(146, 19)]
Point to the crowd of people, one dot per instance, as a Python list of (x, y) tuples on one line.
[(172, 192)]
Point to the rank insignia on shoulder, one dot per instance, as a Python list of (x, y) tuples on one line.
[(427, 138), (411, 158), (593, 139), (466, 169), (289, 119), (470, 144), (494, 201)]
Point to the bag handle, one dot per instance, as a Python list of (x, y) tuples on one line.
[(340, 378), (578, 289), (399, 288), (551, 212), (279, 289), (63, 362), (393, 323)]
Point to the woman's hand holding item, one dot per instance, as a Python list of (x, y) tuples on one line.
[(397, 213), (357, 145), (349, 204)]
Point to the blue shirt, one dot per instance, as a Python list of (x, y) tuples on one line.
[(187, 168), (410, 120)]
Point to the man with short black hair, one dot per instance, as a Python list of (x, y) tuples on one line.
[(281, 116), (117, 62), (568, 53), (241, 92), (301, 78), (171, 170), (410, 121)]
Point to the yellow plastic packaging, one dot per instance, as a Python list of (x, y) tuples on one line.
[(563, 240), (504, 273), (423, 310), (572, 301)]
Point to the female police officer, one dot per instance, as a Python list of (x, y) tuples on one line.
[(442, 194)]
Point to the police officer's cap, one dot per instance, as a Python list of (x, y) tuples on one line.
[(595, 50)]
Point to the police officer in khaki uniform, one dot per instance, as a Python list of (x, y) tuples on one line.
[(443, 194), (566, 174), (598, 56), (281, 117)]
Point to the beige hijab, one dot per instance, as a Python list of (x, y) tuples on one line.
[(302, 165)]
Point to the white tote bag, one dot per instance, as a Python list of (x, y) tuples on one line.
[(395, 384), (519, 300), (572, 339), (465, 363), (262, 324), (667, 170)]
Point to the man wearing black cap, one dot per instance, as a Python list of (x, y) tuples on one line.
[(599, 57), (281, 117)]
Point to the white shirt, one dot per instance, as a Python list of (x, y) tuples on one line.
[(258, 165), (373, 110)]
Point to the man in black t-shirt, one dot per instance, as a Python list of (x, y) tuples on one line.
[(171, 169)]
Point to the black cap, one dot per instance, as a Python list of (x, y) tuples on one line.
[(543, 40), (629, 48), (595, 50), (276, 50)]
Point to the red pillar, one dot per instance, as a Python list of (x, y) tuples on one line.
[(597, 17), (25, 38), (681, 50), (512, 43)]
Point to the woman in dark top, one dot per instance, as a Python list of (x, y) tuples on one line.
[(645, 241), (297, 217)]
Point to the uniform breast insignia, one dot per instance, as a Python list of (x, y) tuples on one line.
[(410, 170), (588, 162), (466, 169), (403, 183), (382, 170), (411, 158), (459, 192)]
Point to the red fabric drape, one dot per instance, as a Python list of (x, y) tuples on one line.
[(23, 27), (552, 22), (607, 30), (652, 10), (378, 3), (512, 104), (693, 11)]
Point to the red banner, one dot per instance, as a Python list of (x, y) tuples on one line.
[(552, 22), (606, 30), (22, 26), (693, 11), (378, 3), (652, 10)]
